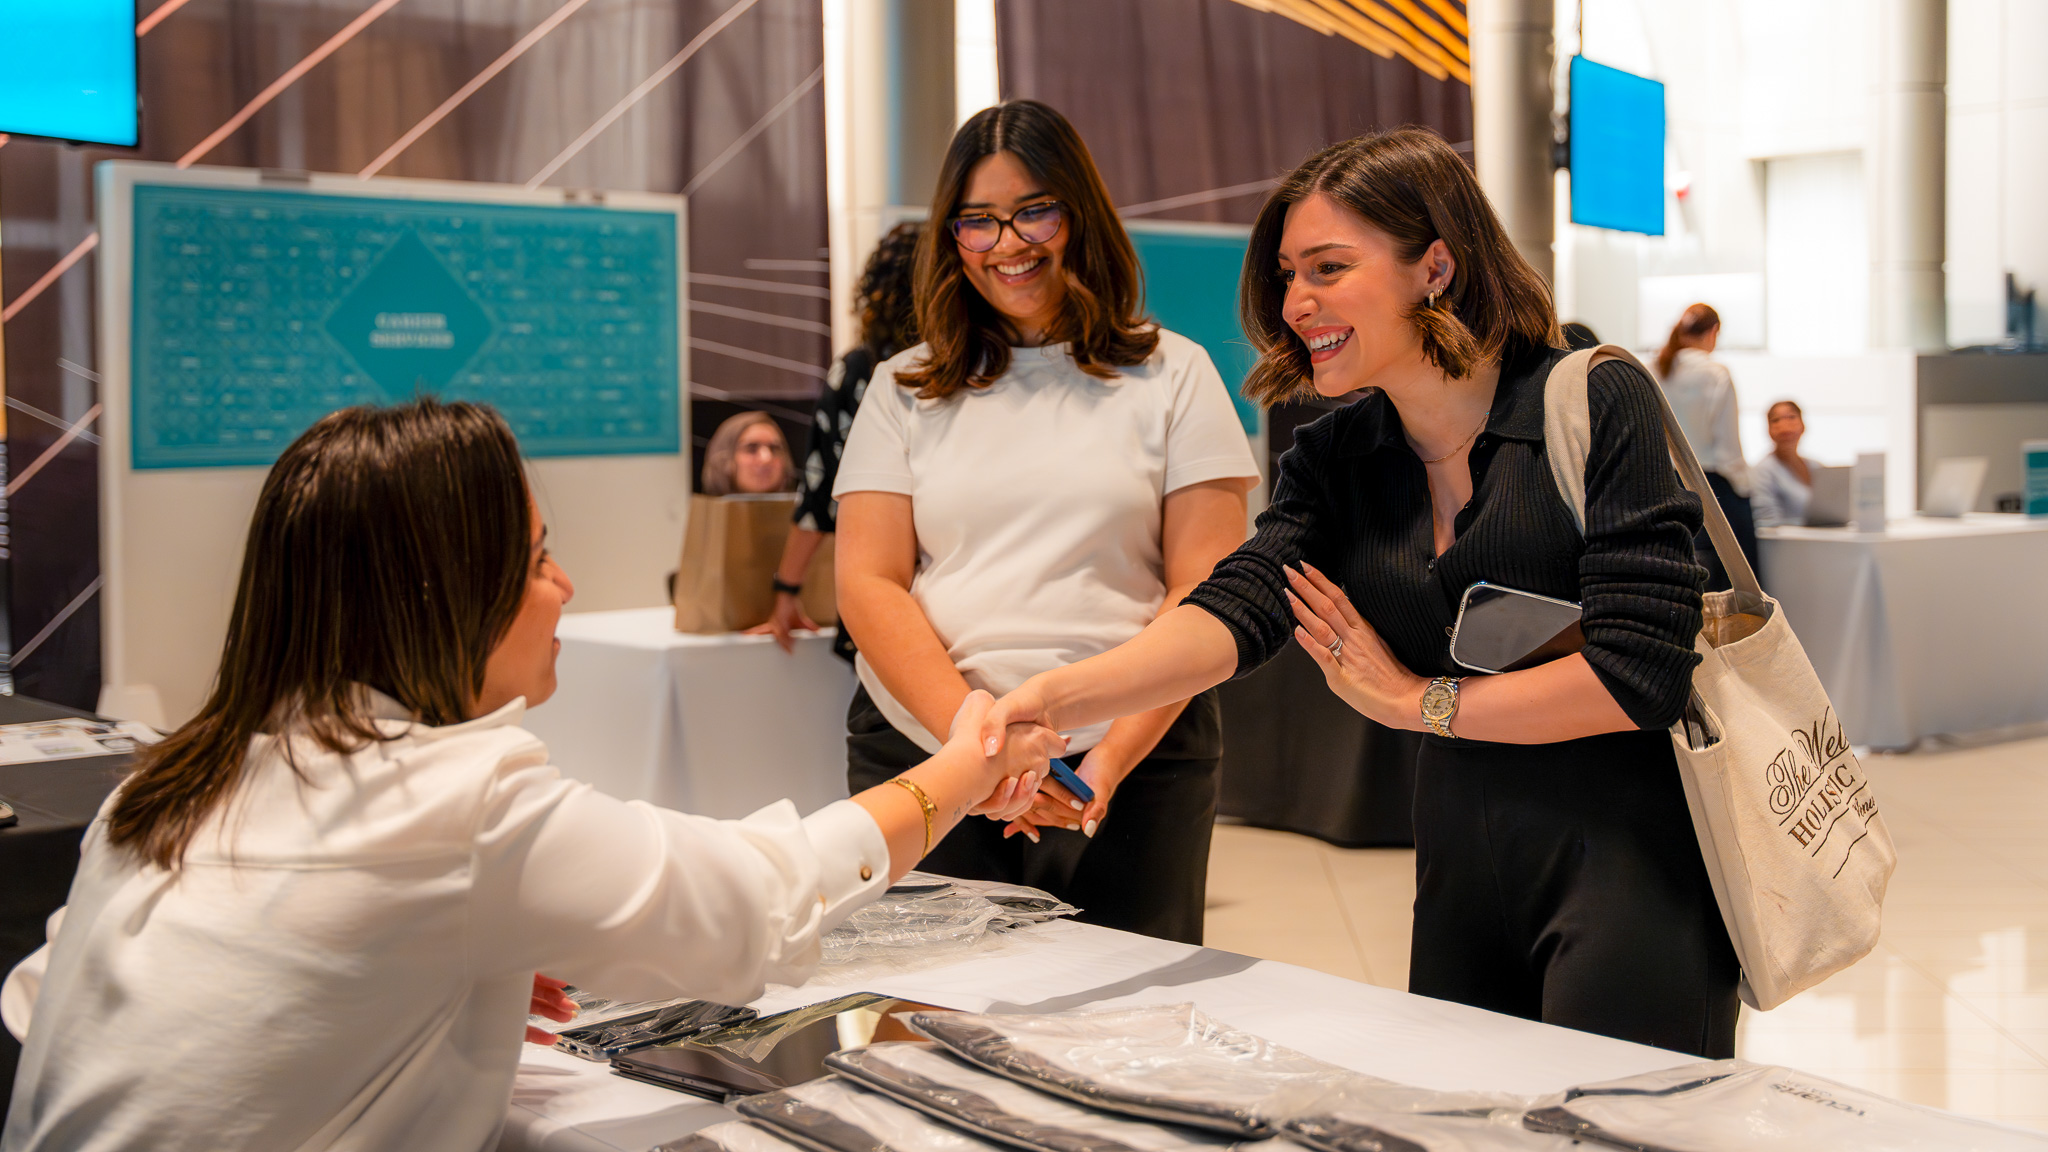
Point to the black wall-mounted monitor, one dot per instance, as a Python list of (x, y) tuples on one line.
[(67, 70)]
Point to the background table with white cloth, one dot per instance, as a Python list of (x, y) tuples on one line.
[(716, 725), (564, 1104), (1932, 626)]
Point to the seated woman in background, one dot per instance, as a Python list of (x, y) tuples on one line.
[(747, 454), (313, 915), (1783, 479)]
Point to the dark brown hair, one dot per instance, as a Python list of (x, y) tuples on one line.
[(883, 299), (389, 548), (1772, 411), (1412, 186), (968, 341), (1695, 322)]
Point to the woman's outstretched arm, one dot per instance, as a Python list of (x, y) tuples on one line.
[(1184, 652)]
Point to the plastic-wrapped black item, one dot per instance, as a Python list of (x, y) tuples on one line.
[(1161, 1062), (731, 1136), (663, 1025), (931, 1080), (1474, 1131), (833, 1114), (1736, 1106), (1371, 1115)]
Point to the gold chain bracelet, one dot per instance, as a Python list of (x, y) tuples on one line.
[(924, 801)]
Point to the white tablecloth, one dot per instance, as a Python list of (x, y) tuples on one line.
[(1934, 626), (716, 725), (563, 1104)]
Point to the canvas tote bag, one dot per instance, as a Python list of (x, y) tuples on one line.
[(731, 547), (1793, 841)]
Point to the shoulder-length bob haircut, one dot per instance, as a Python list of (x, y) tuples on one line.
[(968, 342), (1410, 185), (389, 549)]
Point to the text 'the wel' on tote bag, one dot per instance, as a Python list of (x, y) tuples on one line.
[(1793, 841)]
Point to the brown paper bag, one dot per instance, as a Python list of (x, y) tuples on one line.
[(730, 550)]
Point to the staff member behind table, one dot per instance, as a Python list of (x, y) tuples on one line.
[(1784, 478), (1557, 874), (747, 454), (1025, 489), (1702, 394), (313, 915), (888, 325)]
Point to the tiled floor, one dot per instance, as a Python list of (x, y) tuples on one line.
[(1950, 1010)]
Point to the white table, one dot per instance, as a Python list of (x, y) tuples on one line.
[(716, 725), (1933, 626), (563, 1104)]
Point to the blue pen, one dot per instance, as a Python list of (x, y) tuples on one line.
[(1073, 783)]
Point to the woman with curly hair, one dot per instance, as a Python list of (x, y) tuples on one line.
[(888, 325)]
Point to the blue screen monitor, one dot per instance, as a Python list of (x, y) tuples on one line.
[(1617, 149), (67, 70)]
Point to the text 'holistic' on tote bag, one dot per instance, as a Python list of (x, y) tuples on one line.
[(1787, 822)]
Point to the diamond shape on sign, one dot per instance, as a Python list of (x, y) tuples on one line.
[(409, 324)]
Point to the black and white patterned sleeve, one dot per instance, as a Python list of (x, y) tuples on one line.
[(838, 399)]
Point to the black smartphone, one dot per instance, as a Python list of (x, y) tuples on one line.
[(1503, 629)]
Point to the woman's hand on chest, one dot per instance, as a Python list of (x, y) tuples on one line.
[(1356, 662)]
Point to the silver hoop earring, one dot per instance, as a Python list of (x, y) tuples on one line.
[(1433, 294)]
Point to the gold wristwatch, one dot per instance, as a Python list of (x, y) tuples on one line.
[(1440, 704)]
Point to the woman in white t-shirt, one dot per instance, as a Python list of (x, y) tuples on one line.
[(1029, 487)]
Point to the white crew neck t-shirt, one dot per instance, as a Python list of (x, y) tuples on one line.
[(1037, 503)]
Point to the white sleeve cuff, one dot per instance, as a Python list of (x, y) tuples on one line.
[(1239, 466), (900, 483), (853, 859), (25, 983)]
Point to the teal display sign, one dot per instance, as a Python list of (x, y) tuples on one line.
[(1191, 288), (2034, 454), (259, 311)]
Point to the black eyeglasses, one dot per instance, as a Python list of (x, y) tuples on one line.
[(981, 231)]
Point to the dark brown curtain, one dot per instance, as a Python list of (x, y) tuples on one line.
[(1184, 96), (757, 224)]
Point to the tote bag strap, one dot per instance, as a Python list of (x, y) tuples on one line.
[(1568, 441)]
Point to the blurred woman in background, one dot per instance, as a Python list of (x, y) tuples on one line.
[(1784, 478), (747, 454), (888, 325), (1702, 393), (1030, 486)]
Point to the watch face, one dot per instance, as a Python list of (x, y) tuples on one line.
[(1439, 700)]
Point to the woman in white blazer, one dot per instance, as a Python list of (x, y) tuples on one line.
[(313, 916)]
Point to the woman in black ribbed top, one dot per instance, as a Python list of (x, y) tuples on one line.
[(1557, 873)]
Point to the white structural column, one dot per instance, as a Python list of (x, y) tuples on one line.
[(1512, 61), (1908, 176), (889, 114)]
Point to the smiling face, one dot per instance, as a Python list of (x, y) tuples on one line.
[(1348, 294), (1787, 426), (1021, 280), (523, 663), (761, 462)]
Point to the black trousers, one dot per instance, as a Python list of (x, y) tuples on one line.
[(1147, 868), (1563, 883), (1742, 518)]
